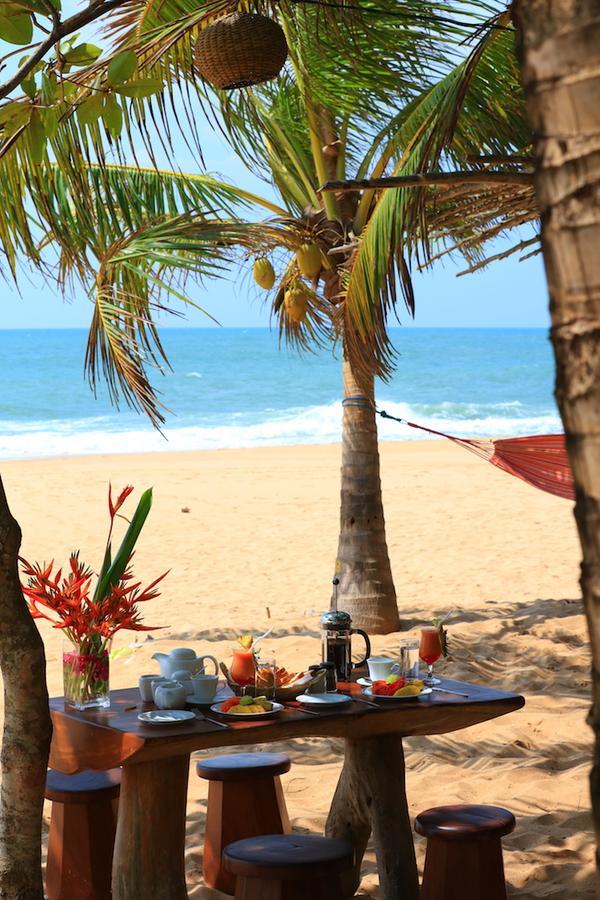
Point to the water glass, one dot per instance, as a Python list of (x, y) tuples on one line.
[(409, 659), (265, 677)]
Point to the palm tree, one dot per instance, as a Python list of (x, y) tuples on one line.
[(134, 236), (326, 117), (559, 58)]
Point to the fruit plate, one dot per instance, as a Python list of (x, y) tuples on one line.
[(277, 707), (368, 692), (165, 716), (323, 700)]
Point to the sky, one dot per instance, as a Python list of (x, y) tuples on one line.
[(506, 294)]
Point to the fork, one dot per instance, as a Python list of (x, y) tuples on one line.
[(202, 718)]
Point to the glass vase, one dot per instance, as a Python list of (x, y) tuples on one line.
[(85, 676)]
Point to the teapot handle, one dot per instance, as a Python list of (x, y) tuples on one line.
[(213, 661), (365, 637)]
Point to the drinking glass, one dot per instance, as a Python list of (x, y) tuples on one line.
[(430, 650), (409, 659), (265, 680)]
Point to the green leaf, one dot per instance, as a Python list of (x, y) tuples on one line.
[(123, 555), (113, 116), (50, 122), (122, 67), (91, 109), (37, 136), (16, 29), (82, 54), (29, 86), (143, 88), (49, 89)]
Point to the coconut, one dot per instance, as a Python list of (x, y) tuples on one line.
[(309, 260), (296, 303), (264, 273)]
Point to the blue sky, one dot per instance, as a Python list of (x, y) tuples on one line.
[(506, 294)]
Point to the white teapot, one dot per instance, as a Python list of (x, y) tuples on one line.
[(183, 659), (170, 695)]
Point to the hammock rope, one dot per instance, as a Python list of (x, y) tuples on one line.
[(540, 460)]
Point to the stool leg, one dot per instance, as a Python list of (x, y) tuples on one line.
[(310, 889), (237, 810), (463, 870), (80, 850)]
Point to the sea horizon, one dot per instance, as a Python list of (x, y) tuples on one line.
[(234, 387)]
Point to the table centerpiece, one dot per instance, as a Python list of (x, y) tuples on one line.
[(89, 621)]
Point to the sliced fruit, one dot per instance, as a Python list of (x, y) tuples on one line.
[(409, 690), (246, 701)]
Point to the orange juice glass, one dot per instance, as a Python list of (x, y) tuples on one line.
[(243, 667), (430, 650)]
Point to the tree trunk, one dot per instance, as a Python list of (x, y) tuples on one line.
[(559, 48), (366, 587), (27, 727)]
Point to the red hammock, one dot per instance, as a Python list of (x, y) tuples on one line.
[(540, 460)]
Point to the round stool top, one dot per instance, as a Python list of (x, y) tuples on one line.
[(240, 766), (464, 823), (83, 786), (288, 856)]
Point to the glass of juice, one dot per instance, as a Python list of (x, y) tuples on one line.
[(243, 668), (430, 650)]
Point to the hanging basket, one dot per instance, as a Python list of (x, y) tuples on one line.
[(240, 50)]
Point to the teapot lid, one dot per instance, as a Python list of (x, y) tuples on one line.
[(336, 620), (183, 653)]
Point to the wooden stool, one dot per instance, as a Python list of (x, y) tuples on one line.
[(464, 852), (245, 799), (82, 834), (291, 867)]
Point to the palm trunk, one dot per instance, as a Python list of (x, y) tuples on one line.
[(366, 587), (559, 47), (27, 727)]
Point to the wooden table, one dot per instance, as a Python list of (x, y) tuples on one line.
[(370, 796)]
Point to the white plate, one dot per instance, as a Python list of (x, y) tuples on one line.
[(277, 707), (364, 682), (323, 699), (165, 716), (368, 692)]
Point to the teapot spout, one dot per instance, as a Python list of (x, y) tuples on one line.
[(164, 663)]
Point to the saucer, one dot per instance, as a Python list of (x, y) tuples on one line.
[(321, 700), (165, 716)]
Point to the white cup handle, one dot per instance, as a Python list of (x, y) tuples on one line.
[(395, 667), (213, 661)]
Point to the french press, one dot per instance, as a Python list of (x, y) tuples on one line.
[(336, 644)]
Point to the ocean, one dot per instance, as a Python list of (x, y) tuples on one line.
[(239, 388)]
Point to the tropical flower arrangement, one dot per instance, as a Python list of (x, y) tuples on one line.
[(90, 620)]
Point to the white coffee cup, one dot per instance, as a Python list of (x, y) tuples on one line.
[(145, 686), (204, 687), (380, 667), (158, 679)]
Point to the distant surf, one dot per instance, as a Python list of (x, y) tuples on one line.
[(233, 388)]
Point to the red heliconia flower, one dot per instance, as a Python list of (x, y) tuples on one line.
[(66, 600), (116, 506)]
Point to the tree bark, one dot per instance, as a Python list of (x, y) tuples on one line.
[(27, 727), (559, 49), (371, 794), (366, 587)]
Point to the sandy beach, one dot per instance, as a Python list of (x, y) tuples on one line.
[(250, 538)]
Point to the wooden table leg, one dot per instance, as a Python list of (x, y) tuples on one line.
[(150, 843), (371, 794)]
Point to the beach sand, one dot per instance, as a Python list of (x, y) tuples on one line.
[(259, 536)]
